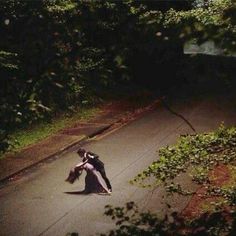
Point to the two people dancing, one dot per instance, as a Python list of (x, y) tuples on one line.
[(95, 170)]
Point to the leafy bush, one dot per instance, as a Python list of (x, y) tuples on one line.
[(201, 152), (55, 55), (130, 221), (212, 20)]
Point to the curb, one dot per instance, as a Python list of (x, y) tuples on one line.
[(120, 121), (11, 176)]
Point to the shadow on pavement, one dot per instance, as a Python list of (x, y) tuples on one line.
[(78, 192)]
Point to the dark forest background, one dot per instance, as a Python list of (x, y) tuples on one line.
[(57, 55)]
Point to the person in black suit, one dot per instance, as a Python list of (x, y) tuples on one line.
[(94, 160)]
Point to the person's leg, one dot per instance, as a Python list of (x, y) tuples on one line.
[(104, 176)]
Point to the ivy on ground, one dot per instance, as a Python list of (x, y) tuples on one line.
[(198, 153)]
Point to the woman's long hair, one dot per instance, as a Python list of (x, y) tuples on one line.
[(73, 175)]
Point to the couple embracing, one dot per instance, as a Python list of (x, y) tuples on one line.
[(95, 170)]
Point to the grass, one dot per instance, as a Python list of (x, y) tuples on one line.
[(34, 133), (24, 137)]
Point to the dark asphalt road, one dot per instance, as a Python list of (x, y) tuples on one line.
[(37, 205)]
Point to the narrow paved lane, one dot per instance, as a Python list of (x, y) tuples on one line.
[(37, 205)]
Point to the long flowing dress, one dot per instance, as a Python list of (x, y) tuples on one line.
[(93, 180)]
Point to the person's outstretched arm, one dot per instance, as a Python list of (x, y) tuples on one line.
[(81, 164)]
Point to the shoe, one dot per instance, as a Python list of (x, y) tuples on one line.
[(104, 193), (110, 190)]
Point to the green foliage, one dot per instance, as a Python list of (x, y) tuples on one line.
[(198, 153), (130, 221), (57, 54), (34, 133), (212, 21), (6, 59)]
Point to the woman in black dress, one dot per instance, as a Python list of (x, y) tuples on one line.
[(93, 180)]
